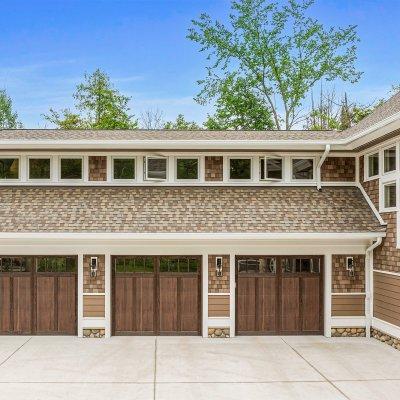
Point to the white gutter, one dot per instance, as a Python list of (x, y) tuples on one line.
[(369, 276), (321, 161)]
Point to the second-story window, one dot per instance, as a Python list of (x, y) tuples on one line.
[(39, 168), (71, 168), (389, 159), (155, 168), (240, 168), (389, 195), (302, 168), (373, 165), (9, 168), (271, 168), (123, 168), (187, 168)]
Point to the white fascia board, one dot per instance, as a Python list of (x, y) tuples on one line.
[(195, 236)]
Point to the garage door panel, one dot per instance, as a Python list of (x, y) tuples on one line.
[(310, 304), (5, 304), (290, 306), (246, 299), (22, 303), (143, 307), (168, 315), (66, 311), (266, 304), (45, 304), (189, 304), (123, 302)]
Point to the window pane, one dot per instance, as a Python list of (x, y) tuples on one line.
[(13, 264), (240, 168), (157, 168), (9, 168), (71, 168), (119, 265), (187, 168), (257, 266), (56, 264), (373, 164), (390, 195), (390, 159), (124, 168), (39, 168), (302, 168), (262, 168), (274, 168)]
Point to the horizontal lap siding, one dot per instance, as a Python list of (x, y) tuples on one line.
[(348, 305), (387, 297), (218, 306), (94, 306)]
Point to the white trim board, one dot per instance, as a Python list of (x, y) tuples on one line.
[(386, 327), (348, 322)]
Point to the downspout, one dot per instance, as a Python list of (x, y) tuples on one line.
[(369, 276), (321, 161)]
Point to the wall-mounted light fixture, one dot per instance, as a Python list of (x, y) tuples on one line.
[(350, 265), (94, 263), (218, 266)]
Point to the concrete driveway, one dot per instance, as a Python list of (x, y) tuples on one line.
[(186, 368)]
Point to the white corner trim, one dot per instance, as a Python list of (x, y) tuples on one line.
[(204, 294), (327, 295), (232, 286), (386, 327), (387, 272), (371, 204), (107, 300), (80, 296)]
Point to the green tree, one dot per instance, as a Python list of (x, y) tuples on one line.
[(8, 117), (237, 108), (99, 106), (279, 51), (181, 124)]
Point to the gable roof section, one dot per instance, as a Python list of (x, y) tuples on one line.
[(185, 210)]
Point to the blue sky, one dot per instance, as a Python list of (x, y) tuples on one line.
[(46, 46)]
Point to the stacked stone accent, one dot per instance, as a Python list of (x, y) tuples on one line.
[(97, 333), (341, 281), (97, 168), (348, 332), (214, 170), (339, 169), (218, 332), (218, 284), (385, 338), (96, 284)]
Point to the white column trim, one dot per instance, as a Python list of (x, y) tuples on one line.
[(80, 295), (204, 290), (232, 286), (107, 268), (327, 294)]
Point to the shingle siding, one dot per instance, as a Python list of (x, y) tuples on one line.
[(339, 169)]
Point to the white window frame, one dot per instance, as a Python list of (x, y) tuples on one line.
[(123, 158), (366, 166), (186, 158), (72, 157), (42, 158), (292, 158), (9, 157), (383, 159), (229, 168), (266, 179), (145, 169), (382, 195)]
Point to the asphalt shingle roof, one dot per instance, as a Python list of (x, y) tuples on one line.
[(185, 209)]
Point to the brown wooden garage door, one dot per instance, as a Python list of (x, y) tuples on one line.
[(279, 295), (157, 295), (38, 295)]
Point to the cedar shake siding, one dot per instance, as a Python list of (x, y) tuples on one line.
[(339, 169), (214, 168), (97, 168), (185, 209), (95, 284), (341, 281), (218, 284)]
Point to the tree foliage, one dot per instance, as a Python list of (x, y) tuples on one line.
[(98, 106), (278, 50), (237, 108), (181, 124), (8, 117)]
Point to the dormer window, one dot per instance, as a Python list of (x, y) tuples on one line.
[(71, 168), (9, 168), (155, 168), (240, 168), (187, 168), (373, 165), (271, 168), (302, 168)]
